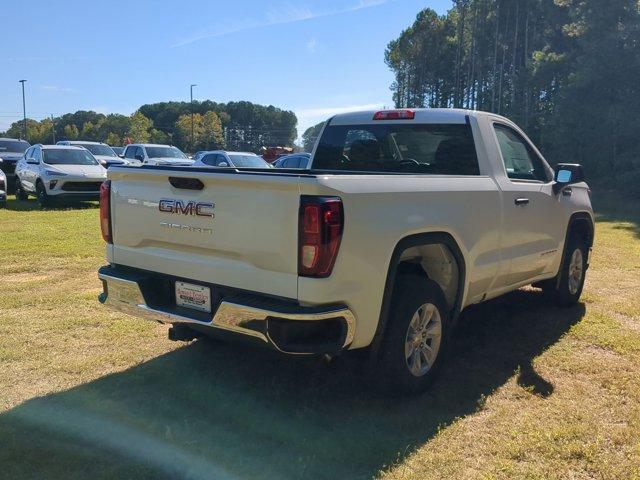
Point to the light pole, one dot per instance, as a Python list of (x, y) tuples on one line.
[(24, 113), (192, 85), (53, 129)]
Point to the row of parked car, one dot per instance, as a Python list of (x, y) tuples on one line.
[(74, 170)]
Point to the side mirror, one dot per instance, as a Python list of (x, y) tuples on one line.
[(567, 174), (139, 156), (223, 164), (32, 161), (121, 155)]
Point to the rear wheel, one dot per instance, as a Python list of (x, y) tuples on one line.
[(21, 194), (416, 337), (43, 198)]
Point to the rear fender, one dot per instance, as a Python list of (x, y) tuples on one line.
[(421, 239)]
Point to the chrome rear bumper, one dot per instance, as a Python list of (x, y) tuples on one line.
[(124, 294)]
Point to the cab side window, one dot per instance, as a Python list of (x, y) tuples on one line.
[(520, 160), (130, 152)]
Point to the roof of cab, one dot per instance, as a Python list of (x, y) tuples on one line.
[(422, 115)]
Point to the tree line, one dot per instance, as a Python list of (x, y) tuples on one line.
[(567, 71), (233, 126)]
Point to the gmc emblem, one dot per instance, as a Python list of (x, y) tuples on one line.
[(191, 208)]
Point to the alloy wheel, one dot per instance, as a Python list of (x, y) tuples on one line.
[(575, 271), (422, 341)]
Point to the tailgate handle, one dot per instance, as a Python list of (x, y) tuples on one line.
[(186, 183)]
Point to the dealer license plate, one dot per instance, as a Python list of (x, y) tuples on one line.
[(193, 296)]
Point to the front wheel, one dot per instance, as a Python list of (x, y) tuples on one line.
[(21, 194), (567, 287), (43, 198), (416, 337)]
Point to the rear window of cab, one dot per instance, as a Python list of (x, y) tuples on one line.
[(436, 149)]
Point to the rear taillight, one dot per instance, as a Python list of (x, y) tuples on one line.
[(319, 233), (105, 211)]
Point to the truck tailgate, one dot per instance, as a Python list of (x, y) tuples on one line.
[(250, 242)]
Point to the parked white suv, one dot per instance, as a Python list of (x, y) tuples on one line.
[(102, 152), (152, 154), (404, 218), (58, 172), (3, 188)]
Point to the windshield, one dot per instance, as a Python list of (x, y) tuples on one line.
[(13, 146), (68, 157), (97, 149), (247, 161), (436, 149), (166, 152)]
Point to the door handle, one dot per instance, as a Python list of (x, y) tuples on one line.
[(521, 201), (567, 191)]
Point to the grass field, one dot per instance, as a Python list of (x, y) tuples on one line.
[(529, 391)]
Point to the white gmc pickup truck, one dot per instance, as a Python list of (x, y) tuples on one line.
[(404, 218)]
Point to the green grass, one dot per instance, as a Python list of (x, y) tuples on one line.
[(529, 391)]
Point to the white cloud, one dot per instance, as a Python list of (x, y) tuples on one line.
[(276, 15), (287, 13), (56, 88), (312, 45)]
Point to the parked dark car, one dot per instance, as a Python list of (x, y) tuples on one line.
[(296, 160), (11, 150)]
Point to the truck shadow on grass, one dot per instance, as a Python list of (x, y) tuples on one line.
[(211, 410), (13, 204)]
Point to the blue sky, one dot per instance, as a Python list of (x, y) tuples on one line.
[(315, 57)]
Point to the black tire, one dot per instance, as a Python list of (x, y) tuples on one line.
[(394, 365), (41, 194), (20, 193), (567, 287)]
